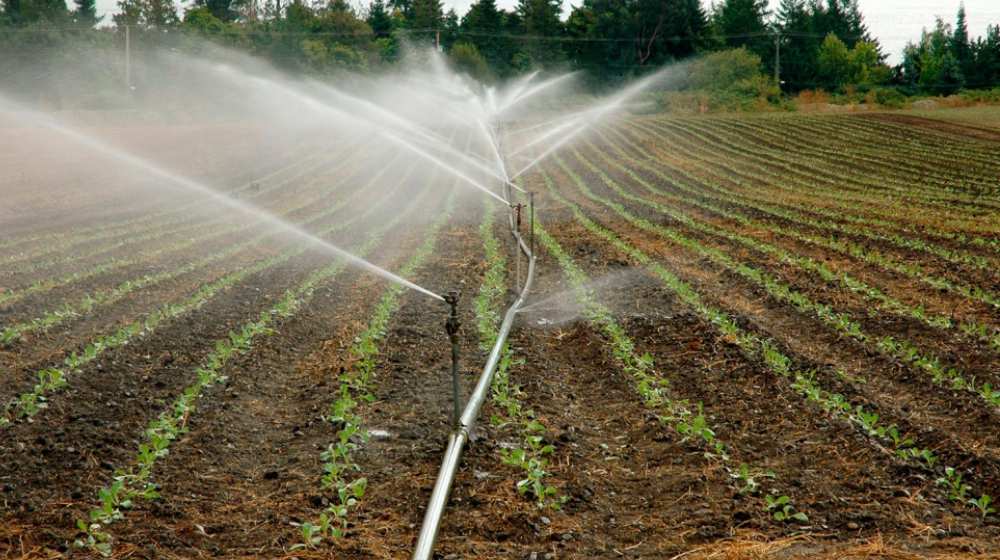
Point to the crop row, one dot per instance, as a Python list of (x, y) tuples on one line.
[(354, 389), (51, 379), (903, 221), (830, 178), (882, 301), (933, 188), (177, 222), (133, 483), (804, 383), (928, 142), (833, 243), (687, 420), (839, 321), (109, 228), (859, 229), (116, 263), (109, 296), (531, 455), (814, 139), (804, 193), (826, 178)]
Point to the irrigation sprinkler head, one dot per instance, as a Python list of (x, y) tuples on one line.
[(452, 326), (531, 232)]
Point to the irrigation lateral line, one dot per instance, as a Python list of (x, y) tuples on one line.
[(456, 442)]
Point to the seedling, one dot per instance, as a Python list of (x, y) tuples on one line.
[(957, 489), (782, 509), (983, 505)]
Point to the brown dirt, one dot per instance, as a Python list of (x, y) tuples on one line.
[(249, 466), (952, 128)]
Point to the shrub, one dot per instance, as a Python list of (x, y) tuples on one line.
[(889, 97), (729, 80), (466, 58)]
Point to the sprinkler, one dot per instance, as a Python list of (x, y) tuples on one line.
[(531, 209), (452, 326), (517, 225)]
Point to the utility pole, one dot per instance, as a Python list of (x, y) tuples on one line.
[(128, 58), (437, 40)]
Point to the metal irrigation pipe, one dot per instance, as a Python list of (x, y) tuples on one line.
[(460, 436)]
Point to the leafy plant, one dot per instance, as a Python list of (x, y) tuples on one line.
[(957, 489), (782, 509), (983, 505)]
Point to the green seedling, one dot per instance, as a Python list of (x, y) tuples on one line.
[(782, 509), (952, 480), (983, 505)]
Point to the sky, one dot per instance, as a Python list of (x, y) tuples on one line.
[(893, 22)]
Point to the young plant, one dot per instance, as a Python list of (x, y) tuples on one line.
[(952, 480), (782, 509), (983, 505)]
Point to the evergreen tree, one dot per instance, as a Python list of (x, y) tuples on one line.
[(961, 47), (667, 30), (403, 7), (225, 10), (52, 11), (450, 30), (160, 14), (939, 71), (799, 47), (379, 19), (742, 24), (426, 18), (987, 55), (86, 13), (426, 14), (10, 10), (129, 13), (540, 22), (483, 27), (596, 19)]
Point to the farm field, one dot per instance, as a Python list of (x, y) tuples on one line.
[(987, 116), (748, 337)]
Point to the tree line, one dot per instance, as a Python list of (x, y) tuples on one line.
[(803, 44)]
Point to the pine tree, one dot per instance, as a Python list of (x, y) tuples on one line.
[(160, 14), (540, 22), (51, 11), (426, 19), (10, 10), (483, 26), (450, 29), (742, 23), (667, 30), (427, 14), (799, 47), (222, 9), (379, 19), (604, 61), (129, 13), (404, 7), (86, 13), (987, 60), (961, 47)]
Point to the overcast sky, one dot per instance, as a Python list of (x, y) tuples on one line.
[(893, 22)]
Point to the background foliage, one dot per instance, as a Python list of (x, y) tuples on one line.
[(803, 45)]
